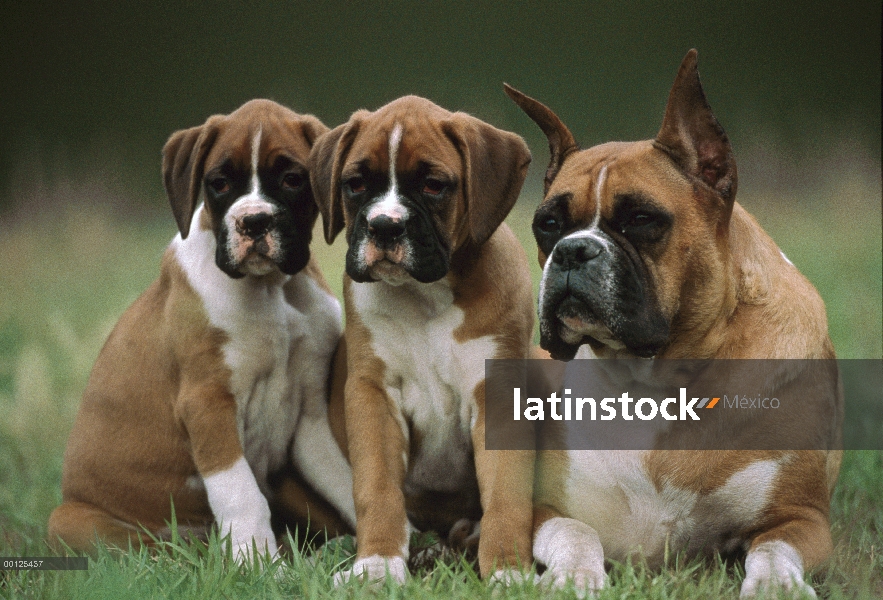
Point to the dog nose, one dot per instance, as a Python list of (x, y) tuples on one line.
[(255, 226), (575, 252), (386, 228)]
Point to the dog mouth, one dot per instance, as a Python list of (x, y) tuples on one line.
[(255, 255), (258, 259), (578, 324), (386, 264)]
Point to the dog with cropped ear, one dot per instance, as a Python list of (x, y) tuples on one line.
[(217, 376), (435, 284), (646, 253)]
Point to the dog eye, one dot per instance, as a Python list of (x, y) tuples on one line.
[(356, 185), (292, 181), (639, 219), (433, 187), (220, 185), (549, 225)]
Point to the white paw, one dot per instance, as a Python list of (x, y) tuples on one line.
[(773, 566), (502, 579), (585, 581), (571, 551), (507, 577), (375, 569), (244, 544)]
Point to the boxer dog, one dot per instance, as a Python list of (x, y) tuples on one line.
[(434, 285), (216, 377), (645, 253)]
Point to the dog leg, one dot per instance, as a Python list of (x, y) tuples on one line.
[(241, 510), (79, 525), (379, 455), (777, 558), (800, 537), (505, 481), (322, 464), (570, 549)]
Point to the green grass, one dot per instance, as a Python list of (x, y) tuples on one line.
[(67, 275)]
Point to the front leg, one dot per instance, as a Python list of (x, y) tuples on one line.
[(505, 482), (797, 535), (208, 412), (321, 461), (378, 453), (570, 549)]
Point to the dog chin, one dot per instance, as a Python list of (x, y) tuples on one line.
[(574, 330), (257, 265), (389, 272)]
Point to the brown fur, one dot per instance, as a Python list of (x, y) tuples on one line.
[(491, 284), (725, 287)]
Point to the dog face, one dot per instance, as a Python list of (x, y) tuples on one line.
[(632, 237), (252, 165), (413, 183)]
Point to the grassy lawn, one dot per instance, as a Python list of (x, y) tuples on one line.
[(67, 275)]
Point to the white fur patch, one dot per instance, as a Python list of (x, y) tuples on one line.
[(612, 492), (771, 566), (375, 569), (599, 190), (430, 375), (282, 332), (571, 550), (241, 510), (390, 204)]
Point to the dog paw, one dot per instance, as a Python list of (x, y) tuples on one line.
[(772, 567), (244, 551), (464, 537), (586, 582), (375, 569), (502, 579), (571, 551)]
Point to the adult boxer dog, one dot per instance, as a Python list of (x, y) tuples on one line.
[(645, 253), (434, 285), (216, 377)]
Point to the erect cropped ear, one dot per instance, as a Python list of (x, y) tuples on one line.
[(183, 164), (692, 136), (561, 142), (326, 163), (495, 165)]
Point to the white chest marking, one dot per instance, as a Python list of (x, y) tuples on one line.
[(431, 376), (278, 353), (612, 492)]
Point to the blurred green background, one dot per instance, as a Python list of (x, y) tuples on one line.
[(90, 91), (96, 87)]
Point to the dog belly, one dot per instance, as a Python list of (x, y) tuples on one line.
[(441, 486), (614, 493)]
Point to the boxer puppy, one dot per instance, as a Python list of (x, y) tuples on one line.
[(434, 285), (645, 253), (216, 377)]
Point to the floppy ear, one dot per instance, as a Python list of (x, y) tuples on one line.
[(495, 165), (692, 136), (183, 164), (326, 162), (561, 142), (311, 128)]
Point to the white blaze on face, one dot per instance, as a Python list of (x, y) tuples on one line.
[(572, 329), (390, 203), (599, 190), (254, 257)]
